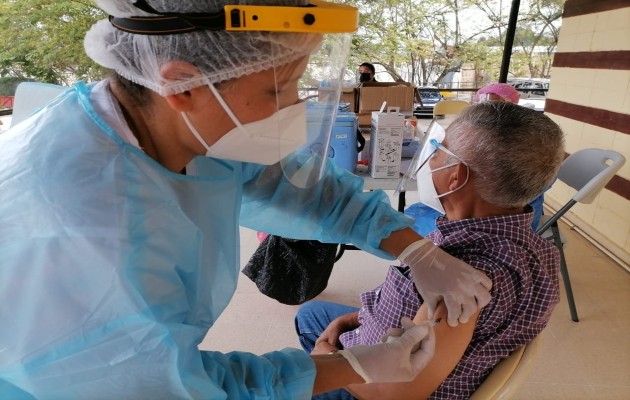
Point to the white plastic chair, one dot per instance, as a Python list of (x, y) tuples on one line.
[(587, 171), (446, 107), (31, 97), (449, 107), (505, 379)]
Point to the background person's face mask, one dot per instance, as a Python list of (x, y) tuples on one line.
[(265, 141), (365, 77)]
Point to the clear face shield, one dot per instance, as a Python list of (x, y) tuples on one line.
[(304, 45), (307, 90), (435, 133), (320, 89), (290, 112)]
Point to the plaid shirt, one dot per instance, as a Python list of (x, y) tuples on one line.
[(524, 272)]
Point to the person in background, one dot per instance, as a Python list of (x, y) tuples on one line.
[(366, 72), (121, 200), (494, 158), (497, 92)]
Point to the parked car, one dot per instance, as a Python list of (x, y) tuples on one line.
[(533, 91), (429, 96), (533, 86)]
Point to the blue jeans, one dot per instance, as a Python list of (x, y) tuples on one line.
[(311, 320)]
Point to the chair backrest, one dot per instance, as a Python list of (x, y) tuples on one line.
[(32, 96), (446, 107), (589, 170), (449, 107), (509, 374)]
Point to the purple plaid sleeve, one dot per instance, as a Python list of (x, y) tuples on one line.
[(524, 271)]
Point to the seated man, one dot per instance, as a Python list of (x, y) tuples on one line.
[(494, 159), (425, 216)]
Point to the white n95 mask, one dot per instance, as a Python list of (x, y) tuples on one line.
[(427, 193), (265, 141)]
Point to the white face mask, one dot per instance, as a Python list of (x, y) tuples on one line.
[(427, 193), (265, 141)]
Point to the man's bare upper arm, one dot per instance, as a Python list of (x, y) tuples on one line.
[(450, 345)]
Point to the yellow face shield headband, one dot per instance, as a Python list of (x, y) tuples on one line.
[(316, 17)]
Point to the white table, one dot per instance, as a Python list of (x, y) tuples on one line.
[(386, 183), (383, 184)]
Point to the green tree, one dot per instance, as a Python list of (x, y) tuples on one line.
[(423, 41), (535, 38), (43, 40), (9, 84), (539, 34)]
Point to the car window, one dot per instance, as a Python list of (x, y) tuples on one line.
[(430, 95)]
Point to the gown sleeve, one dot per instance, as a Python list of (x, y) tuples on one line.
[(335, 210), (90, 337), (285, 374), (112, 271)]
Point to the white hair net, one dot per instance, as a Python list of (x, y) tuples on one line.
[(219, 55)]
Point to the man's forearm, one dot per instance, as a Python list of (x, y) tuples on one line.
[(333, 372), (398, 241)]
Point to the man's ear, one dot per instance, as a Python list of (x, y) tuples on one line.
[(179, 70), (458, 176)]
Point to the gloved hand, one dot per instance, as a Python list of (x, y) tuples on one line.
[(399, 359), (441, 277)]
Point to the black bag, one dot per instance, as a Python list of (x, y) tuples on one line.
[(289, 270)]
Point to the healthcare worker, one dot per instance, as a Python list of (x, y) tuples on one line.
[(120, 203)]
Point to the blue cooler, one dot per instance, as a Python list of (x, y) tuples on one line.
[(343, 146), (343, 141)]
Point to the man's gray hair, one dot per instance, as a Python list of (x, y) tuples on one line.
[(513, 151)]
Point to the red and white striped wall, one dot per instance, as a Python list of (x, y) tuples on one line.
[(589, 97)]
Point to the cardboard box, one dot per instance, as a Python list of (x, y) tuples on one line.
[(386, 139), (348, 96), (371, 95), (365, 119)]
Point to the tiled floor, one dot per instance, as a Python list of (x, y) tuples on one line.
[(589, 359)]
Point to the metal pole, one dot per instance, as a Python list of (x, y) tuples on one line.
[(509, 41)]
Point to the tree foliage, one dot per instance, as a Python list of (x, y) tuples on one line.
[(421, 41), (424, 40), (43, 40)]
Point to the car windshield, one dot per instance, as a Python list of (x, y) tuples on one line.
[(430, 95)]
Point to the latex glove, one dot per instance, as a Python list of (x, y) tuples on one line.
[(399, 359), (441, 277)]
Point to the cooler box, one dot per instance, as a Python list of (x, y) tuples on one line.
[(343, 145), (343, 141)]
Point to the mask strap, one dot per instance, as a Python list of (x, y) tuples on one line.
[(194, 131), (226, 108), (456, 189), (445, 167)]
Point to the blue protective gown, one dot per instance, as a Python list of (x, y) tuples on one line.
[(112, 268)]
